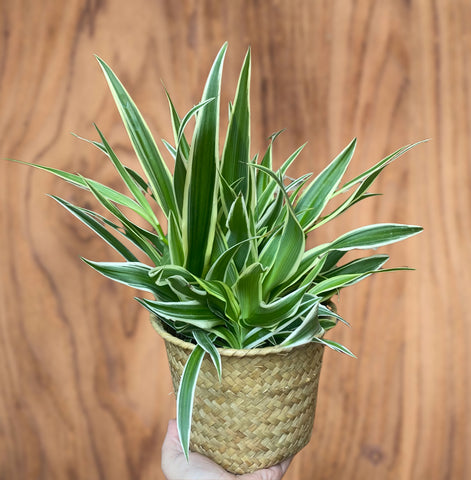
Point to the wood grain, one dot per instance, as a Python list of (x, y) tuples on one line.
[(84, 382)]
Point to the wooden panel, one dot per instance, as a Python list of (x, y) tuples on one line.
[(84, 380)]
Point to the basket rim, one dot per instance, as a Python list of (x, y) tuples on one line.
[(227, 352)]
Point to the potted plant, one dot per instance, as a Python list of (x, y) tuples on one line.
[(242, 304)]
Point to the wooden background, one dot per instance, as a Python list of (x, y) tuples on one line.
[(84, 386)]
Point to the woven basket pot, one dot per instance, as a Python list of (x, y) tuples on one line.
[(261, 412)]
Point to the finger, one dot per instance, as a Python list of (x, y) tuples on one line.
[(275, 472), (171, 445), (172, 428), (285, 464)]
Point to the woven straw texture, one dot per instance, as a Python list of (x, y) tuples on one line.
[(262, 411)]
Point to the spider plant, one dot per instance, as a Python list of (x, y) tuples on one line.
[(229, 268)]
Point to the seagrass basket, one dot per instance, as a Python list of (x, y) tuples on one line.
[(261, 412)]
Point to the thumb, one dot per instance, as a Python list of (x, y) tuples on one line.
[(171, 445), (275, 472)]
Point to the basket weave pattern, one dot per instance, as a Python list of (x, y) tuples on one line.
[(262, 411)]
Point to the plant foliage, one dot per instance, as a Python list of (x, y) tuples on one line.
[(230, 269)]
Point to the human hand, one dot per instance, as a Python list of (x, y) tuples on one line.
[(199, 467)]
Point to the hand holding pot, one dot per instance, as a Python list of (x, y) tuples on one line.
[(175, 466)]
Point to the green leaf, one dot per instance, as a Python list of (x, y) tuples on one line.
[(185, 396), (286, 326), (248, 289), (256, 337), (378, 167), (175, 243), (184, 147), (271, 214), (365, 180), (220, 267), (221, 299), (252, 194), (227, 197), (204, 341), (357, 278), (333, 283), (310, 261), (140, 182), (190, 312), (287, 163), (374, 236), (313, 272), (332, 258), (188, 117), (271, 314), (360, 265), (97, 227), (296, 185), (173, 151), (327, 313), (199, 204), (356, 197), (291, 244), (133, 274), (313, 200), (306, 331), (287, 247), (262, 181), (239, 231), (81, 182), (236, 153), (307, 271), (265, 197), (150, 236), (182, 152), (98, 145), (334, 346), (156, 170), (227, 336), (147, 211), (133, 232), (162, 273), (327, 324), (371, 236), (186, 290)]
